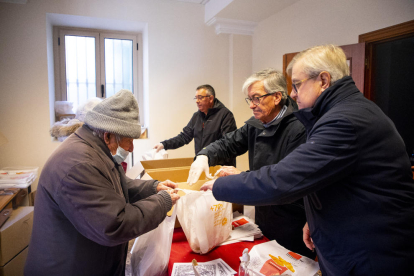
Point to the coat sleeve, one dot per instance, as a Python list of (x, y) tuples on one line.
[(231, 145), (329, 155), (229, 124), (87, 198), (139, 189), (185, 137)]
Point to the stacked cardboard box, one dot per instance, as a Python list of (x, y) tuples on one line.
[(14, 240)]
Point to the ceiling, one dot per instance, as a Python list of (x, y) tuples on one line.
[(248, 10)]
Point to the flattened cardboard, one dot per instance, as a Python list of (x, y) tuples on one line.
[(15, 233)]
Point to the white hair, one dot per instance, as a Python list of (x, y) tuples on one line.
[(329, 58), (273, 81)]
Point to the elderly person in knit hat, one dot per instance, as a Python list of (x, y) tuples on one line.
[(86, 208)]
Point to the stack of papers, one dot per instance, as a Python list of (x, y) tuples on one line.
[(216, 267), (270, 258), (244, 229), (17, 177)]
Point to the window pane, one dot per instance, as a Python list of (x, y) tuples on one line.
[(118, 65), (80, 69)]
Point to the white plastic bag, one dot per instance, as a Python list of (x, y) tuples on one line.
[(206, 222), (154, 155), (151, 252)]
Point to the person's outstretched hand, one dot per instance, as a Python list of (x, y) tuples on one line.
[(158, 147), (199, 166), (166, 185), (208, 185), (227, 170), (174, 196)]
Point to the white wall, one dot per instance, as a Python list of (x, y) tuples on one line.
[(183, 53), (313, 22)]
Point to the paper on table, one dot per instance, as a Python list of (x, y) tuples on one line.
[(261, 261), (216, 267), (245, 230)]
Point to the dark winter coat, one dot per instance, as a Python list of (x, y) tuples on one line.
[(267, 146), (87, 210), (356, 176), (205, 129)]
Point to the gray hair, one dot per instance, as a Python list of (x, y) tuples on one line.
[(329, 58), (209, 89), (273, 81), (100, 133)]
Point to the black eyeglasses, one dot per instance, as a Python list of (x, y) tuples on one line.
[(200, 97), (256, 100)]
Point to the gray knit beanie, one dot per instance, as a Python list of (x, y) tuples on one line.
[(118, 114)]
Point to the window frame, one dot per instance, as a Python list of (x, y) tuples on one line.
[(100, 35)]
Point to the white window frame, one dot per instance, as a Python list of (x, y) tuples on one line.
[(100, 35)]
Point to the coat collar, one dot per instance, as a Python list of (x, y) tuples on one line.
[(342, 89), (216, 107), (86, 134)]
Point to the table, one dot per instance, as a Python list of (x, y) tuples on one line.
[(181, 251)]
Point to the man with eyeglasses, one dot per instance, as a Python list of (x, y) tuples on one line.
[(353, 172), (210, 123), (269, 135)]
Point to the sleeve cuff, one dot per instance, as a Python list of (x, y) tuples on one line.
[(168, 201), (155, 186)]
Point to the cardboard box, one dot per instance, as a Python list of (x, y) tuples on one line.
[(175, 170), (15, 267), (15, 233)]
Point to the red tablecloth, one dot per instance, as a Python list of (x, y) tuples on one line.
[(181, 251)]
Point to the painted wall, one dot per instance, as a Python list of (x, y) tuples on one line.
[(313, 22), (182, 53)]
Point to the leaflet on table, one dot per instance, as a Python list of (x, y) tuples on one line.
[(270, 258), (244, 230), (217, 267)]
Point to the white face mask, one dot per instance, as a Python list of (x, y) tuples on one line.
[(120, 155)]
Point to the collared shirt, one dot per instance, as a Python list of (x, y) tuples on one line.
[(279, 115)]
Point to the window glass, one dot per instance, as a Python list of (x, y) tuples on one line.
[(118, 65), (80, 68)]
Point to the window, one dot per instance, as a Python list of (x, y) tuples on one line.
[(95, 63)]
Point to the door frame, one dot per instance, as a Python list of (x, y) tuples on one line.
[(355, 55), (382, 35)]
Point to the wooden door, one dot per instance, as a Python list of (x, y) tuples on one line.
[(355, 55)]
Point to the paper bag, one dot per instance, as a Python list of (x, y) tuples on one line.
[(206, 222)]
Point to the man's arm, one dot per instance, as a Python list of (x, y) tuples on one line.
[(228, 124), (231, 145), (89, 201), (185, 137), (328, 156)]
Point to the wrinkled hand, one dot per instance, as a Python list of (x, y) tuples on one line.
[(307, 238), (174, 195), (208, 185), (227, 170), (158, 147), (199, 166), (166, 185)]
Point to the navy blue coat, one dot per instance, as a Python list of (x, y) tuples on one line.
[(355, 175), (267, 146), (205, 129)]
